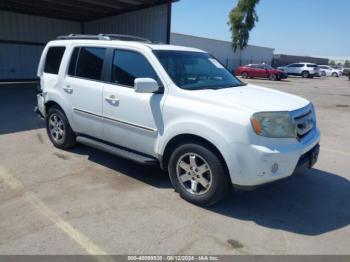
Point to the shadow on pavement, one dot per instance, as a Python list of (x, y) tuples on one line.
[(151, 175), (17, 103), (311, 203)]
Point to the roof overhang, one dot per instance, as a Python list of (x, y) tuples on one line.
[(78, 10)]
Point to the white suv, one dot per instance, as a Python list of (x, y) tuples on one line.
[(173, 106), (306, 70), (326, 70)]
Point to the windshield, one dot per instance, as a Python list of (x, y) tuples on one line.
[(269, 67), (195, 70)]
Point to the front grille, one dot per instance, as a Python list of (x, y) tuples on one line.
[(304, 121)]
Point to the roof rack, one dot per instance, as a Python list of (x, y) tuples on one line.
[(105, 37)]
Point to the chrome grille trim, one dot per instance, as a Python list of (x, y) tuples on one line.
[(304, 121)]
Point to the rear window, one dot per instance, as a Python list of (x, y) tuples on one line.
[(87, 62), (53, 59)]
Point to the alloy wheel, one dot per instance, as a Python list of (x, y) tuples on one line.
[(194, 173), (56, 127)]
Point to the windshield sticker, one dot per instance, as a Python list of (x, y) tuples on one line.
[(216, 63)]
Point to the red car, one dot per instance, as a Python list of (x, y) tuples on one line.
[(260, 71)]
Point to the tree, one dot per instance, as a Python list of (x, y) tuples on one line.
[(242, 20), (347, 64), (332, 63)]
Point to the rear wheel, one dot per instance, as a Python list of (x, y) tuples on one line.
[(245, 75), (305, 74), (58, 129), (198, 174)]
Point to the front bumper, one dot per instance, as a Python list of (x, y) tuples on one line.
[(253, 165)]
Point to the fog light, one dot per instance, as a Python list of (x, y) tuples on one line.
[(274, 168)]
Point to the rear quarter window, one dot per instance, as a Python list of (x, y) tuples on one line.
[(53, 59)]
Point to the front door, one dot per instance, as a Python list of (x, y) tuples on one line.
[(131, 119)]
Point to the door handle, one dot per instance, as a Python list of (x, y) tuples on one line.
[(112, 99), (68, 88)]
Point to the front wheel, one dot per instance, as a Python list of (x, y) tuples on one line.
[(58, 129), (198, 174), (273, 77), (335, 74)]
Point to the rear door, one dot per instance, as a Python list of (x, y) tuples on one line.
[(83, 89), (131, 119)]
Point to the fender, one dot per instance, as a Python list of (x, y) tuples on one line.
[(55, 96), (192, 127)]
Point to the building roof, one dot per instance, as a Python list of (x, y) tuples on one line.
[(77, 10), (217, 40)]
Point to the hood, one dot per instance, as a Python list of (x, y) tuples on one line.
[(252, 98)]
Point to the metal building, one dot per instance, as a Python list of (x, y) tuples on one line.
[(26, 26), (223, 50), (283, 60)]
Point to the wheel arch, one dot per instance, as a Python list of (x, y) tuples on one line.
[(52, 102), (188, 138)]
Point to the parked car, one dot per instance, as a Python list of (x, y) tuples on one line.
[(326, 70), (306, 70), (260, 71), (346, 72), (176, 107)]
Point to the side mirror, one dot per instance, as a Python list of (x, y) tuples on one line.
[(146, 85)]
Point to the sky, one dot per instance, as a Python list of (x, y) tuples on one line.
[(295, 27)]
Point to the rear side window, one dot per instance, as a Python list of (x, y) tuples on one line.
[(53, 59), (87, 62), (129, 65)]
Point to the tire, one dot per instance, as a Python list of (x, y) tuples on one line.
[(305, 74), (335, 74), (58, 129), (273, 77), (198, 174), (245, 75), (323, 73)]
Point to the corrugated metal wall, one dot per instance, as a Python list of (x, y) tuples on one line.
[(223, 50), (30, 28), (19, 60), (150, 23)]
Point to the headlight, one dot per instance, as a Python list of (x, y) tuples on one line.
[(273, 124)]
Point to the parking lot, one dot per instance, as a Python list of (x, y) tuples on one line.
[(85, 201)]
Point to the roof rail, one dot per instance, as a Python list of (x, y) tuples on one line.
[(86, 37), (105, 37), (126, 38)]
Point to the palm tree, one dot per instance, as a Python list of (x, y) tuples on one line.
[(242, 20)]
